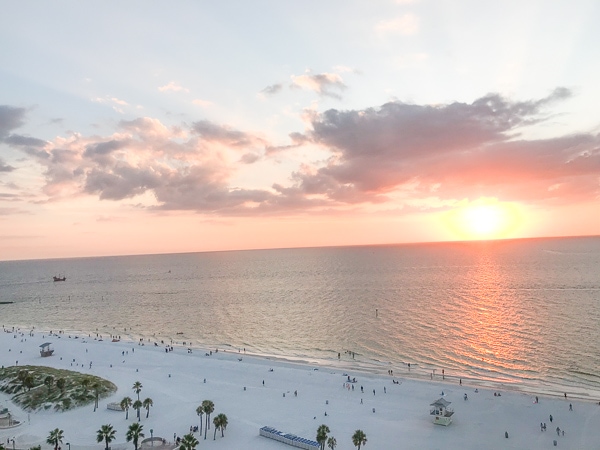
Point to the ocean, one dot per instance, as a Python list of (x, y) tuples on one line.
[(520, 314)]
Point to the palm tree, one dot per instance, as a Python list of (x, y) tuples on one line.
[(125, 405), (359, 438), (208, 406), (147, 403), (60, 383), (331, 443), (220, 421), (188, 442), (322, 435), (86, 384), (96, 388), (106, 433), (137, 388), (55, 438), (134, 433), (200, 412), (28, 382), (137, 405), (49, 381), (21, 376)]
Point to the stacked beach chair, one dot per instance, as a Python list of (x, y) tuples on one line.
[(290, 439)]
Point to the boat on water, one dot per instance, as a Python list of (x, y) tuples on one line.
[(59, 278)]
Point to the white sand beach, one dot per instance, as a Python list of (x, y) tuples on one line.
[(395, 417)]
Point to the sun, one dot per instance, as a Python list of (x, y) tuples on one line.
[(484, 219)]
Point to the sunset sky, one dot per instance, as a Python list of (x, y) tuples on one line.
[(153, 126)]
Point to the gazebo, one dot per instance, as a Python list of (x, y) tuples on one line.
[(45, 349), (442, 415)]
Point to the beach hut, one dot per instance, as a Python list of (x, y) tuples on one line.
[(45, 349), (442, 415)]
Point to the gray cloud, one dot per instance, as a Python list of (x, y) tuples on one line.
[(5, 167), (123, 181), (272, 89), (104, 148), (211, 132), (249, 158), (11, 118), (24, 141)]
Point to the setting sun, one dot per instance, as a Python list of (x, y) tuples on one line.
[(483, 219)]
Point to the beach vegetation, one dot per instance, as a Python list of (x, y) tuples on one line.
[(28, 382), (134, 433), (322, 432), (39, 387), (147, 404), (107, 434), (96, 388), (49, 382), (85, 384), (331, 443), (208, 406), (188, 442), (137, 388), (359, 438), (61, 383), (125, 405), (36, 447), (137, 405), (200, 412), (55, 438), (220, 423)]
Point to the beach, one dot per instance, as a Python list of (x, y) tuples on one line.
[(253, 392)]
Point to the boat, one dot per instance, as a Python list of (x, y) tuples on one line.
[(59, 278)]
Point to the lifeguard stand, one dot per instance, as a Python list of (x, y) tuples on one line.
[(45, 350), (442, 415)]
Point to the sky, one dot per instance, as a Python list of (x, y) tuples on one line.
[(160, 127)]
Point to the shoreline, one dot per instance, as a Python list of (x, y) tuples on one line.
[(372, 368)]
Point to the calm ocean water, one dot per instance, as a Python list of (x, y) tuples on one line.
[(520, 312)]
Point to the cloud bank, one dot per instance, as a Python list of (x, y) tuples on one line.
[(389, 155)]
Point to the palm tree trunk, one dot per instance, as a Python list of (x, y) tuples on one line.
[(215, 435)]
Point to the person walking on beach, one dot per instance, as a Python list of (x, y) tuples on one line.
[(570, 406), (550, 418)]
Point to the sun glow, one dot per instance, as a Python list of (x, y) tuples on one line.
[(483, 219)]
